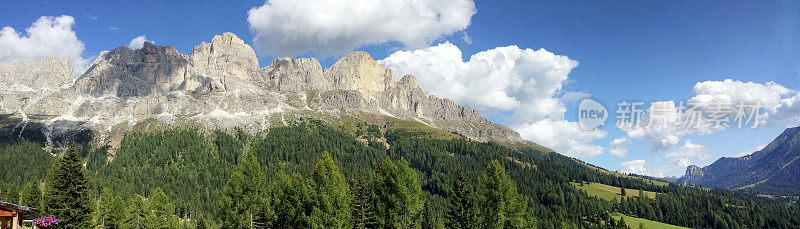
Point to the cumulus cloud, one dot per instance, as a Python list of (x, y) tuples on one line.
[(524, 83), (138, 42), (619, 146), (717, 104), (684, 155), (334, 27), (635, 166), (47, 37)]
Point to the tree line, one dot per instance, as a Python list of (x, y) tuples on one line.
[(311, 175)]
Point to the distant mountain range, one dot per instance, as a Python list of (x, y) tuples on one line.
[(772, 170)]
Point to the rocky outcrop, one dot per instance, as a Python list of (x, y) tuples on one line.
[(220, 84), (124, 72), (286, 74), (692, 176), (49, 73), (359, 72)]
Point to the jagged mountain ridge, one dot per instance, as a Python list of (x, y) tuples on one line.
[(774, 169), (220, 84)]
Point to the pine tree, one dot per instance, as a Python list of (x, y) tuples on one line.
[(462, 205), (31, 196), (109, 211), (363, 204), (502, 206), (399, 195), (66, 194), (331, 195), (136, 213), (246, 201), (161, 211), (429, 219), (622, 191), (291, 202)]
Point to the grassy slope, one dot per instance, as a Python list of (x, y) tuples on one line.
[(609, 192), (401, 124), (633, 222), (655, 182)]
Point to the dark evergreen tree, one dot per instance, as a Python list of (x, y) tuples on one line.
[(363, 204), (462, 212), (291, 202), (66, 195), (429, 218), (136, 213)]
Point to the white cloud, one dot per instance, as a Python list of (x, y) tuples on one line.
[(671, 121), (47, 37), (524, 83), (334, 27), (684, 155), (572, 96), (679, 159), (787, 112), (619, 146), (565, 137), (635, 166), (657, 125), (138, 42), (748, 152)]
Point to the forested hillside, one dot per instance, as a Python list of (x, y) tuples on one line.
[(310, 174)]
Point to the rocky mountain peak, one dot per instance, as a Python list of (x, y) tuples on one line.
[(409, 81), (225, 56), (221, 85), (126, 72), (358, 71)]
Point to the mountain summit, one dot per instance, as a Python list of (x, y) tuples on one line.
[(220, 85), (774, 169)]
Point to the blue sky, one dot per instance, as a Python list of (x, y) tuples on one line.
[(627, 50)]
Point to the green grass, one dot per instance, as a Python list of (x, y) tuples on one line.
[(401, 124), (609, 192), (634, 222), (654, 182)]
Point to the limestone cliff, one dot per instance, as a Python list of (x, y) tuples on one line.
[(220, 84)]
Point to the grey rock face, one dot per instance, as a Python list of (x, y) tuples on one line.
[(50, 72), (287, 74), (124, 72), (220, 84)]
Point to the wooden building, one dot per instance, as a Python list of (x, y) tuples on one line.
[(11, 215)]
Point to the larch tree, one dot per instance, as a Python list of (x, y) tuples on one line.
[(502, 206), (331, 199), (399, 195), (246, 200)]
